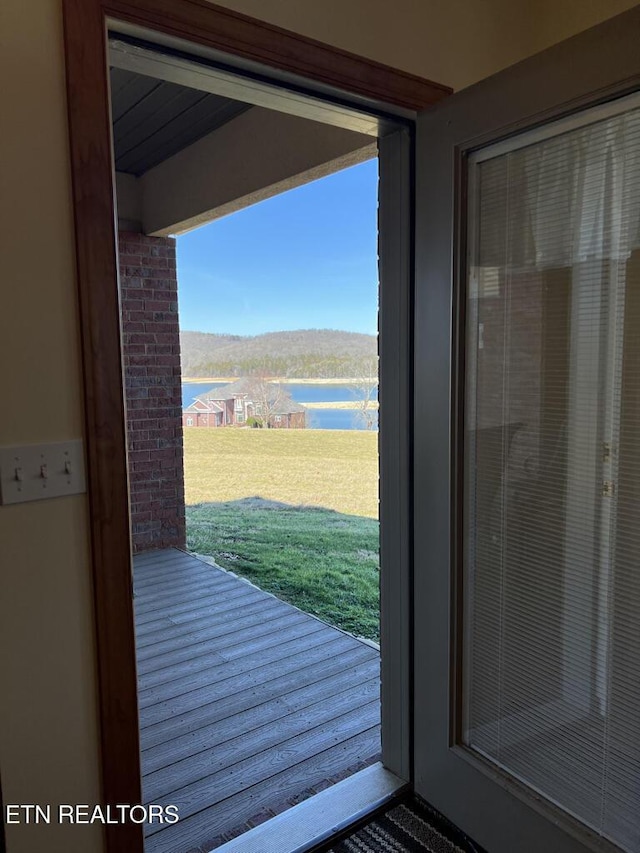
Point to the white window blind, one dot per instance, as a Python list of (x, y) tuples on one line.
[(552, 469)]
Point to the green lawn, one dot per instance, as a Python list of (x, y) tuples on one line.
[(322, 561), (333, 469), (295, 511)]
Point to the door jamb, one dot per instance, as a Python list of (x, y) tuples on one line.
[(197, 21)]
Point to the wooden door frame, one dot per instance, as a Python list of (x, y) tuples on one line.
[(85, 31)]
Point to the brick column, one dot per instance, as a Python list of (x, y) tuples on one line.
[(151, 352)]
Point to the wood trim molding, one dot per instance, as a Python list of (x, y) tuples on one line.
[(221, 29), (97, 275), (85, 25)]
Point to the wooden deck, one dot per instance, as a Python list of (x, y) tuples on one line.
[(245, 702)]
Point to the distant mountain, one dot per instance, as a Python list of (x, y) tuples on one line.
[(307, 353)]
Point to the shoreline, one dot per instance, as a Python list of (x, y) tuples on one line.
[(353, 405), (284, 380)]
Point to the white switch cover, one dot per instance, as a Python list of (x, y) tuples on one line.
[(33, 472)]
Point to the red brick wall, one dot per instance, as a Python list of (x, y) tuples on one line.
[(201, 419), (151, 351)]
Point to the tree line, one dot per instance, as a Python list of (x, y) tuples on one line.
[(307, 354)]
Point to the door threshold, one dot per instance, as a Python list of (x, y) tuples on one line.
[(322, 816)]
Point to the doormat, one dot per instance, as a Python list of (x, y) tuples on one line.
[(409, 825)]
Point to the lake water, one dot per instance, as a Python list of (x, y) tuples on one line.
[(316, 418)]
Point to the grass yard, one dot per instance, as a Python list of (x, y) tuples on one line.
[(295, 511), (321, 561), (333, 469)]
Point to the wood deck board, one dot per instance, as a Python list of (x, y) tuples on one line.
[(241, 672), (209, 599), (202, 613), (231, 686), (173, 573), (232, 778), (172, 593), (264, 637), (237, 639), (218, 708), (226, 727), (244, 604), (245, 700), (183, 644), (224, 816), (224, 754)]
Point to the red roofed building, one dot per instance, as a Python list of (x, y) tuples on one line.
[(245, 402), (201, 414)]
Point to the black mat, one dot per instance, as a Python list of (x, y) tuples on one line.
[(409, 824)]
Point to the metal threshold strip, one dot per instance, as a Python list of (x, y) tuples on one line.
[(316, 820)]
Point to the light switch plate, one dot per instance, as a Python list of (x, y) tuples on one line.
[(33, 472)]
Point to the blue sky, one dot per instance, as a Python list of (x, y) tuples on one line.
[(306, 259)]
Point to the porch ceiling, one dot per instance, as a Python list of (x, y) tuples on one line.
[(154, 119), (185, 156)]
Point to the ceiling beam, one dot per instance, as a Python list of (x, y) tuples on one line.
[(255, 156)]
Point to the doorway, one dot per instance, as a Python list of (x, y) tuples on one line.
[(369, 116), (248, 704)]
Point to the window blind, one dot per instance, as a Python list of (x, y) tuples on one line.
[(552, 470)]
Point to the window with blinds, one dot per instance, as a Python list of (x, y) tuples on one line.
[(552, 466)]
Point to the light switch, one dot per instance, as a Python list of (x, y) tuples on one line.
[(34, 472)]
